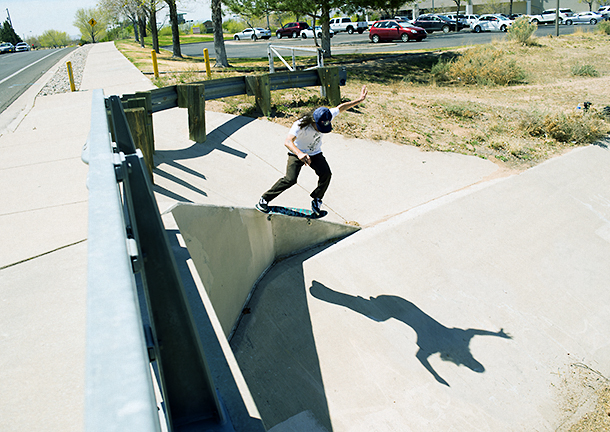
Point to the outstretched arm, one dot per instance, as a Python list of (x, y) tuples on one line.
[(347, 105)]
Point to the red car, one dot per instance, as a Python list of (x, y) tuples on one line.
[(393, 30), (292, 29)]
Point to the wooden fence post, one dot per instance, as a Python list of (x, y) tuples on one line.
[(192, 97), (258, 86), (137, 120), (329, 77)]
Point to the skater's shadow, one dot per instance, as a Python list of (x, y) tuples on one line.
[(432, 336)]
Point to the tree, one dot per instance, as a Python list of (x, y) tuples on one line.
[(588, 2), (173, 17), (85, 17), (118, 9), (54, 39), (7, 34), (219, 42)]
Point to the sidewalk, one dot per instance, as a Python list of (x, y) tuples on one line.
[(43, 259)]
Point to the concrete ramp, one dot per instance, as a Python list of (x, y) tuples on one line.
[(233, 247), (487, 310)]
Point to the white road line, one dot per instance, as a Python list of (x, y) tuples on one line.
[(31, 64)]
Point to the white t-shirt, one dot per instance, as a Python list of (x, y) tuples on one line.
[(309, 140)]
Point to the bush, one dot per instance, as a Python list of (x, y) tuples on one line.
[(604, 27), (584, 70), (577, 128), (483, 65), (232, 26), (521, 30)]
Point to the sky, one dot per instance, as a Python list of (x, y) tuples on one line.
[(33, 17)]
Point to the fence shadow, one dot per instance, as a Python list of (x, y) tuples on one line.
[(432, 336)]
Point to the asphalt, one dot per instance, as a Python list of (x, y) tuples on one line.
[(467, 301)]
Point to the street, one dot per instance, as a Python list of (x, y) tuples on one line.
[(343, 43), (18, 71)]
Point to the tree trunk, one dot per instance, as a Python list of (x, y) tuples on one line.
[(325, 21), (134, 23), (219, 42), (153, 28), (142, 28), (173, 16)]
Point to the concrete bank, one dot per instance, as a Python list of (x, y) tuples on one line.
[(483, 310)]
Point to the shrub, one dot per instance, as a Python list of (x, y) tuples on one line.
[(483, 65), (521, 30), (584, 70), (577, 128), (604, 27)]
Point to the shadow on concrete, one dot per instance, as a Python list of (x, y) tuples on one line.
[(275, 347), (219, 368), (432, 336), (214, 141)]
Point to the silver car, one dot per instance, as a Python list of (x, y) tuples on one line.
[(583, 18), (6, 47), (253, 34)]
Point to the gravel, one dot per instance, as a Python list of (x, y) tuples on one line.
[(60, 83)]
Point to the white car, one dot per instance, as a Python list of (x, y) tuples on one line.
[(308, 33), (583, 17), (22, 46), (491, 22), (253, 34)]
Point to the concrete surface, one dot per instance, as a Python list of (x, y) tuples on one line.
[(233, 247), (467, 313), (463, 304)]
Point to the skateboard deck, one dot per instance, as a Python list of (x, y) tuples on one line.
[(296, 212)]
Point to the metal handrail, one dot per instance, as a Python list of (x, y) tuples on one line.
[(272, 51)]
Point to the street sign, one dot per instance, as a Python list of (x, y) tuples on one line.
[(92, 22)]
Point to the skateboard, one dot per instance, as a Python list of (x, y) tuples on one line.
[(296, 212)]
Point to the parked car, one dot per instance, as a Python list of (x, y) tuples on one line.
[(432, 23), (394, 30), (308, 33), (491, 22), (6, 47), (584, 17), (22, 46), (403, 18), (292, 29), (548, 16), (253, 33), (463, 18), (604, 11), (345, 24)]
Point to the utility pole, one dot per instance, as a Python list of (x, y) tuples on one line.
[(557, 20)]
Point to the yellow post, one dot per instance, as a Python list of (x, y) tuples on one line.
[(71, 76), (206, 56), (155, 66)]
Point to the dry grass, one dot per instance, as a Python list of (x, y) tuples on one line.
[(517, 125)]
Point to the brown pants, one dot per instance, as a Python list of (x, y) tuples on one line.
[(293, 168)]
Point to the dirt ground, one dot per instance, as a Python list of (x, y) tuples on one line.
[(408, 105)]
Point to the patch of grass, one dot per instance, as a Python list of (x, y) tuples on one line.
[(584, 70), (515, 124), (482, 65)]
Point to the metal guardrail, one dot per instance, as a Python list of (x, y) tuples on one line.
[(129, 253), (119, 388)]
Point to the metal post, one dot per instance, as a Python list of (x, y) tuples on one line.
[(557, 20), (206, 56), (71, 76), (154, 62)]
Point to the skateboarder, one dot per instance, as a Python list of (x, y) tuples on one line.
[(304, 141)]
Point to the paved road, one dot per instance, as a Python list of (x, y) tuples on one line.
[(18, 71), (343, 43)]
